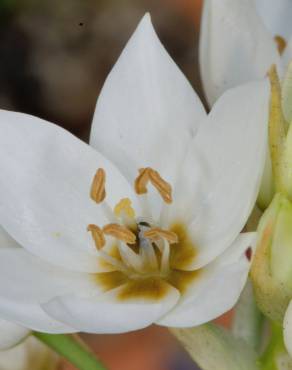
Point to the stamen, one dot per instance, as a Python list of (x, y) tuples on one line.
[(120, 232), (124, 207), (163, 187), (142, 181), (97, 235), (157, 233), (281, 43), (97, 192), (148, 174)]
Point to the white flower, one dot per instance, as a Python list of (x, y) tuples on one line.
[(29, 355), (109, 249), (240, 40)]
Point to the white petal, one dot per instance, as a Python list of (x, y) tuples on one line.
[(288, 329), (46, 175), (32, 316), (235, 46), (215, 291), (6, 241), (11, 334), (276, 15), (147, 109), (242, 243), (26, 281), (108, 314), (189, 188), (232, 143), (27, 278)]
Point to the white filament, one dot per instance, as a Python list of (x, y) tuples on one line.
[(109, 212), (164, 267), (113, 261), (129, 257)]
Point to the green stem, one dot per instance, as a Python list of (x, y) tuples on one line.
[(74, 351), (268, 360)]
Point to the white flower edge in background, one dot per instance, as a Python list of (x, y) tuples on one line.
[(208, 172), (29, 355), (10, 333), (237, 42)]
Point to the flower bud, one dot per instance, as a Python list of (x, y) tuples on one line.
[(277, 175), (271, 270)]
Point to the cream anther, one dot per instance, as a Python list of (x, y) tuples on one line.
[(149, 175), (97, 192), (120, 232), (97, 235), (156, 234)]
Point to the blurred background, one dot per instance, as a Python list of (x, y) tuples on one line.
[(55, 56)]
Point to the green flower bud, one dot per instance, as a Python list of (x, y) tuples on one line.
[(271, 270), (277, 175)]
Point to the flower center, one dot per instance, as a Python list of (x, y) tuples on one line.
[(137, 249)]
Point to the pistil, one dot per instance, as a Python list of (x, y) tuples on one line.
[(125, 212)]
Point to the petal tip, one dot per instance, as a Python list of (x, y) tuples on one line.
[(145, 25), (147, 18)]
